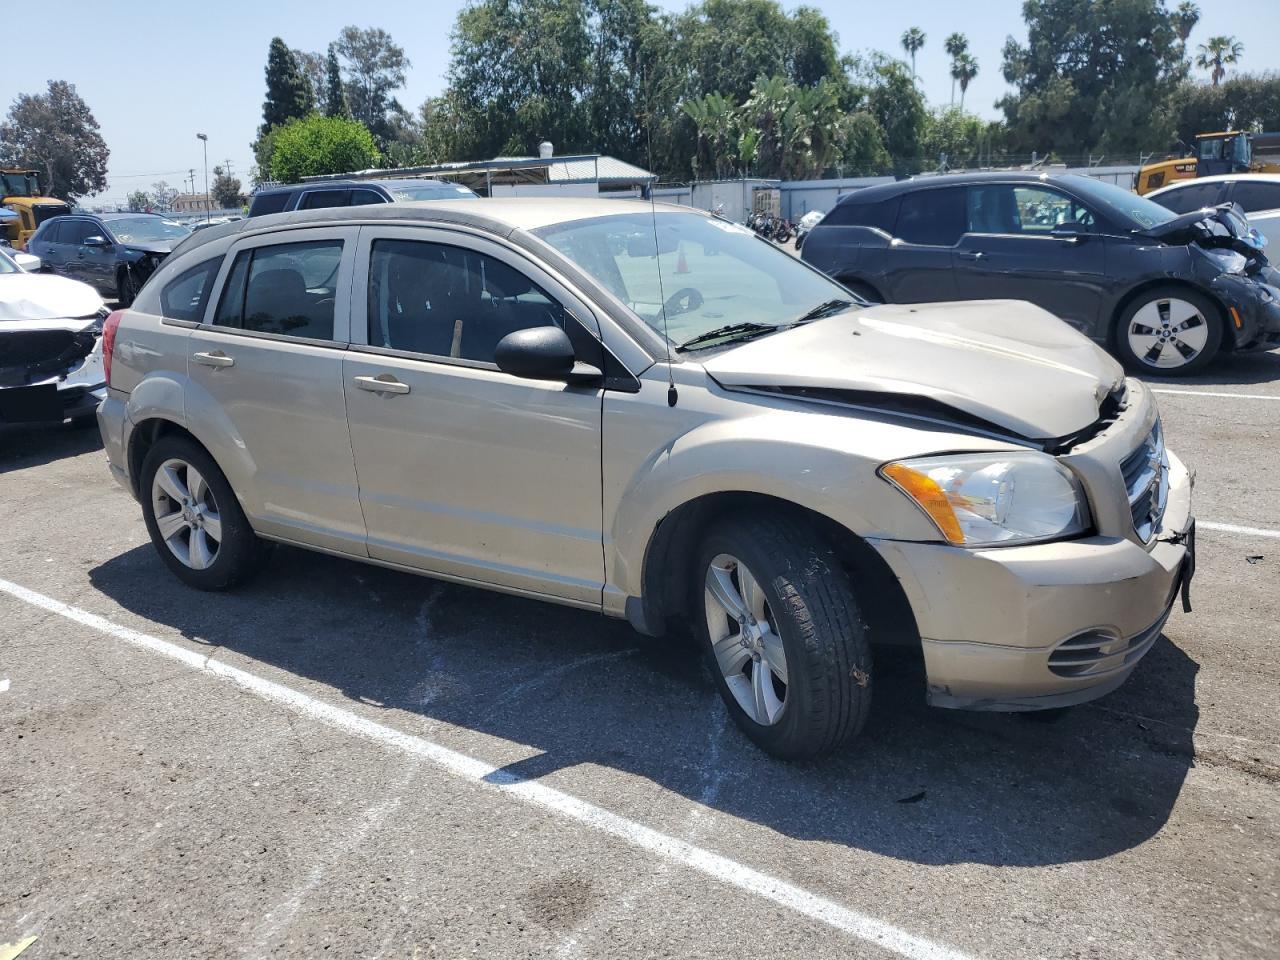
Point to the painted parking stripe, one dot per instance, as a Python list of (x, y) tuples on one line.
[(1213, 393), (713, 865), (1234, 528)]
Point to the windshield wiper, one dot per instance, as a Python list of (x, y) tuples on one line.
[(732, 331), (824, 309)]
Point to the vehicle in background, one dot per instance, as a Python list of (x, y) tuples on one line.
[(22, 193), (1215, 154), (114, 253), (321, 194), (50, 347), (27, 261), (1165, 292), (1267, 223), (1252, 192), (646, 411), (807, 223)]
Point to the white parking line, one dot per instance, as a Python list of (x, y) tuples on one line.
[(1213, 393), (1234, 528), (726, 871)]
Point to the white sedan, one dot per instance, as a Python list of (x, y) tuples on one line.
[(50, 347)]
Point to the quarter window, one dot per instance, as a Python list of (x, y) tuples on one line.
[(448, 301), (184, 297), (286, 289), (932, 217)]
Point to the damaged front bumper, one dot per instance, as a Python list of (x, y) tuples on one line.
[(50, 370), (1253, 303)]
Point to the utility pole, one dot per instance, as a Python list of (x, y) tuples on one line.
[(204, 139)]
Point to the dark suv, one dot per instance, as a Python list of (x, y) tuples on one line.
[(113, 252), (1165, 292), (352, 193)]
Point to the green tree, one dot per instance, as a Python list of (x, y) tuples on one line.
[(289, 93), (312, 67), (1217, 53), (56, 133), (1245, 102), (912, 42), (963, 69), (955, 44), (373, 67), (335, 95), (139, 202), (225, 189), (1093, 76), (954, 136), (319, 145), (899, 109), (1185, 18), (162, 196)]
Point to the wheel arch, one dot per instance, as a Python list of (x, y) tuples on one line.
[(667, 574), (854, 281), (146, 434)]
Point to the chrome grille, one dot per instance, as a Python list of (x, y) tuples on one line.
[(1146, 481)]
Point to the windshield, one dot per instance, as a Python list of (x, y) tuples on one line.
[(1128, 208), (436, 191), (713, 273), (146, 229)]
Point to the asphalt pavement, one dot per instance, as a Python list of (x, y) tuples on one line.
[(340, 760)]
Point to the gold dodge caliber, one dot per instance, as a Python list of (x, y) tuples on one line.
[(652, 413)]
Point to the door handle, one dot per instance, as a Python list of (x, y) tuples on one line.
[(972, 255), (215, 359), (382, 383)]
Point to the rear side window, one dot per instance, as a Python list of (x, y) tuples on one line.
[(362, 197), (450, 302), (268, 203), (284, 289), (321, 199), (1254, 195), (185, 296), (932, 217), (1186, 199), (879, 214)]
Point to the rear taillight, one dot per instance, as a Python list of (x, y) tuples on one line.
[(109, 328)]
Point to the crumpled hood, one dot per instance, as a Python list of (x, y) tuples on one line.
[(42, 296), (153, 246), (1006, 362)]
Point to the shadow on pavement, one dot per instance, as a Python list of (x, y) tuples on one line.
[(1230, 368), (30, 445), (922, 785)]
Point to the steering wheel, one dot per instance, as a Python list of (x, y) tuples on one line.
[(682, 301)]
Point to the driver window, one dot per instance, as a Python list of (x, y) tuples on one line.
[(447, 301), (1007, 209), (285, 289)]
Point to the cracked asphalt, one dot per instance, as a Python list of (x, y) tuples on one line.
[(152, 807)]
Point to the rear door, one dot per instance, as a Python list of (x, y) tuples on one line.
[(1013, 248), (918, 263), (265, 373), (465, 470)]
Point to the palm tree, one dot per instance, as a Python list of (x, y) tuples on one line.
[(1216, 53), (963, 69), (1185, 18), (913, 40), (955, 45)]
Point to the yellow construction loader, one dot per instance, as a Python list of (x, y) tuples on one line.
[(1231, 151)]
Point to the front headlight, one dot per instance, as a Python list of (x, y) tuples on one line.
[(990, 499), (1228, 261)]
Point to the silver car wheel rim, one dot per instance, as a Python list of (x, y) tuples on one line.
[(745, 640), (186, 514), (1168, 333)]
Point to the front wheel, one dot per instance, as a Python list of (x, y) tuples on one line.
[(127, 288), (783, 635), (1169, 332)]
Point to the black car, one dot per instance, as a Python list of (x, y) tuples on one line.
[(1164, 292), (113, 252), (352, 193)]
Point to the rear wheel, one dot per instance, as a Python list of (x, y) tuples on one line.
[(785, 641), (1169, 332), (194, 518)]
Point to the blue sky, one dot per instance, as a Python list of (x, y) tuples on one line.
[(156, 73)]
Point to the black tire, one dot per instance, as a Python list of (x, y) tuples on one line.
[(1209, 311), (240, 553), (814, 611), (126, 288)]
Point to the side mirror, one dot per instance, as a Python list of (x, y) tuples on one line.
[(95, 241), (543, 353)]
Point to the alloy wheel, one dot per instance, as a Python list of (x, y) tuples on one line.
[(744, 638), (1168, 333), (186, 514)]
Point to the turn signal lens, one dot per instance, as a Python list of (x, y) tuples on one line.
[(931, 498)]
